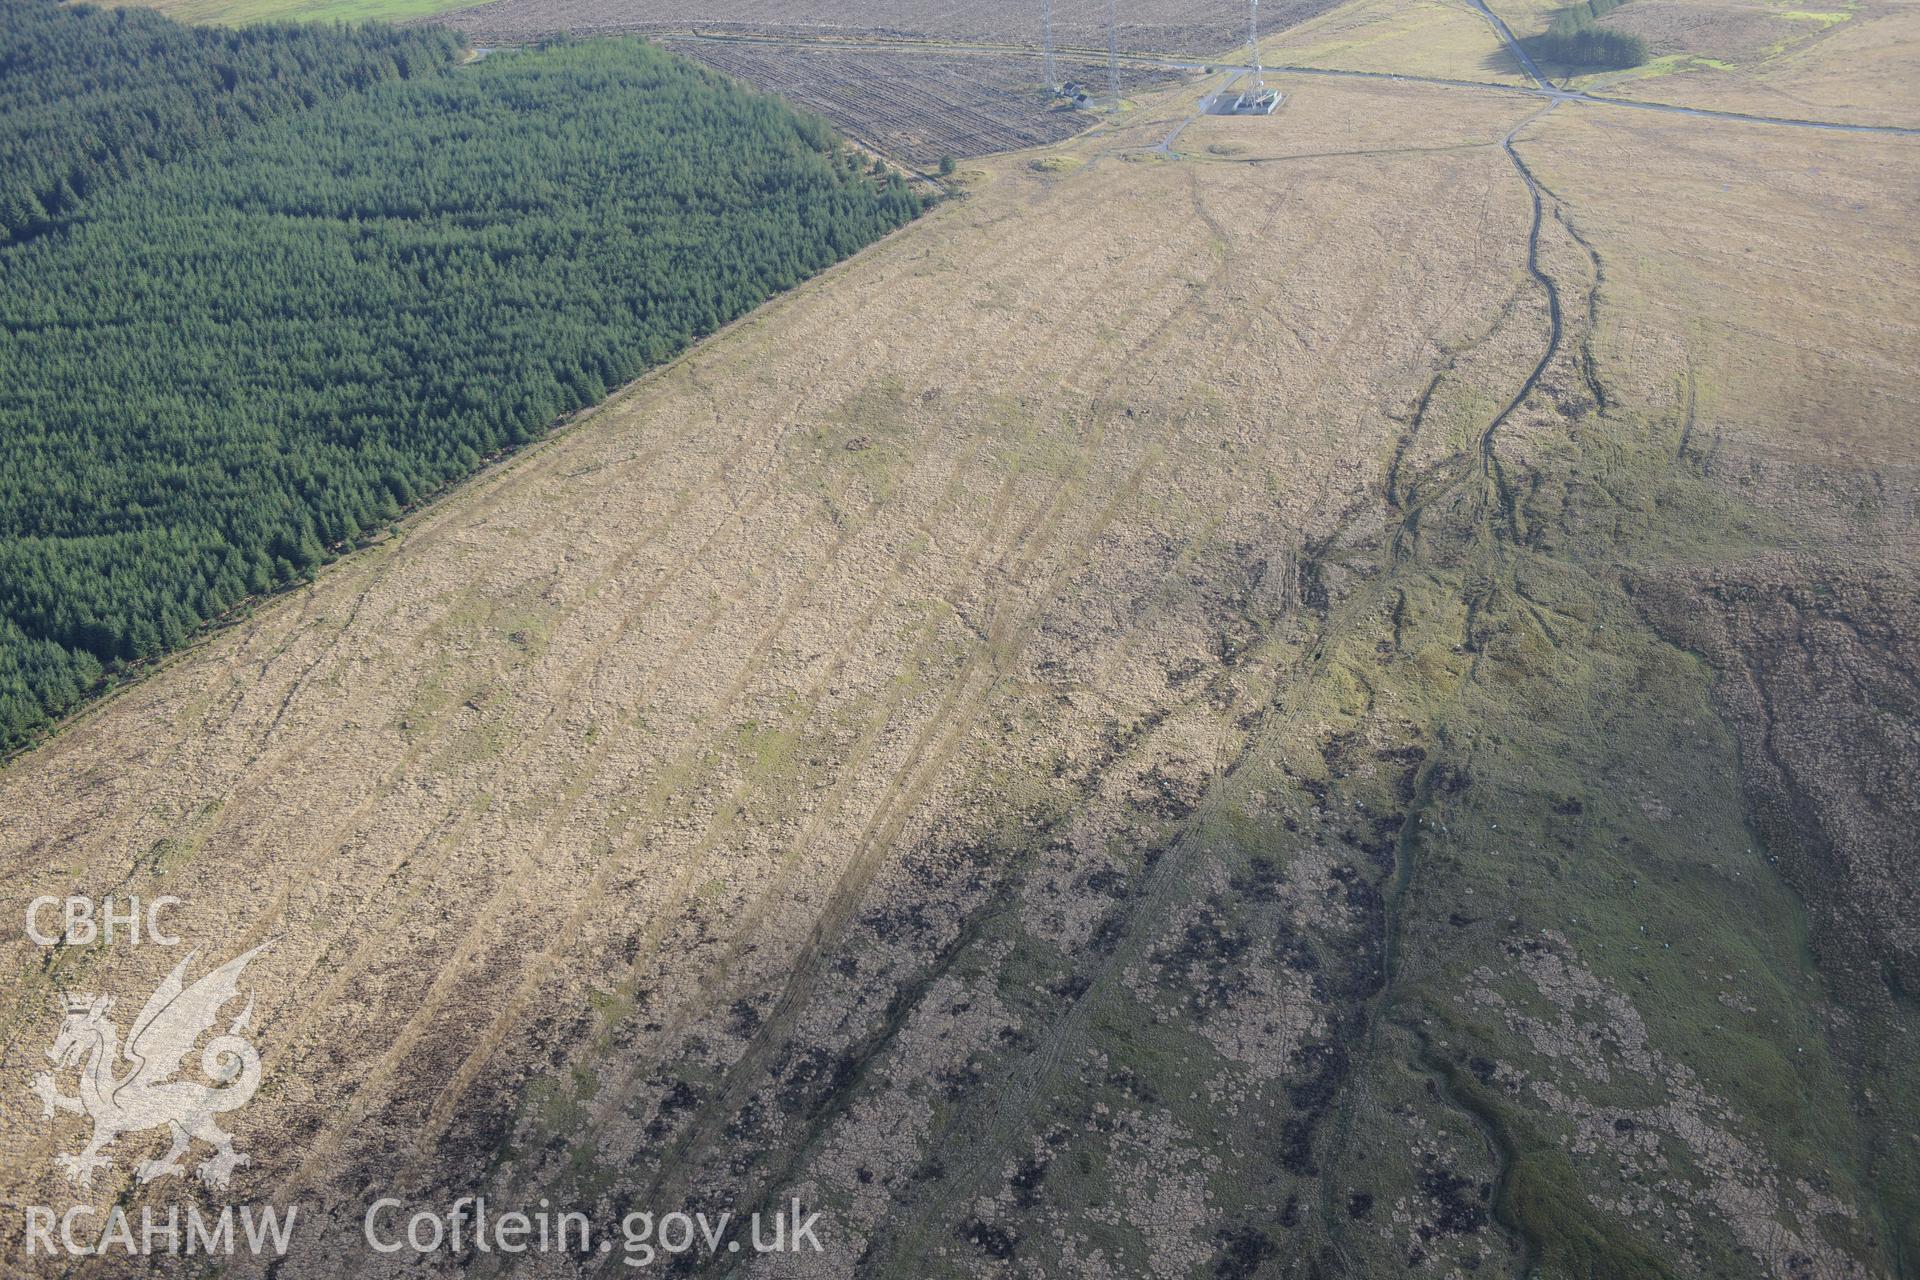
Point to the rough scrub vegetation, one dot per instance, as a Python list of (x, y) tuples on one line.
[(211, 379)]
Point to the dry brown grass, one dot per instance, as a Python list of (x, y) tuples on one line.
[(726, 795), (1772, 263), (704, 659), (1428, 37), (1843, 62)]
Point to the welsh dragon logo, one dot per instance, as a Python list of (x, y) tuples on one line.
[(132, 1089)]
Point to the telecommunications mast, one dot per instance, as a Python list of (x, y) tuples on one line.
[(1113, 52), (1256, 99), (1253, 43)]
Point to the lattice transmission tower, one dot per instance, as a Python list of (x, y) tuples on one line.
[(1046, 21), (1253, 43)]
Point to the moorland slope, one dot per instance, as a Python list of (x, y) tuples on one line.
[(1313, 695)]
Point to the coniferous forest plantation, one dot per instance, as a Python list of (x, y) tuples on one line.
[(91, 96), (350, 267)]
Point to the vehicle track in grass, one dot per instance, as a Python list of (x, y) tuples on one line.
[(1010, 564), (482, 494), (421, 529), (1024, 550), (516, 1019), (1166, 885), (987, 667), (412, 881), (936, 741), (769, 482), (666, 784), (281, 1041), (931, 755), (690, 863), (696, 1142)]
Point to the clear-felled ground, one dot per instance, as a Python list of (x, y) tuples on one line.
[(920, 107), (1198, 28)]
